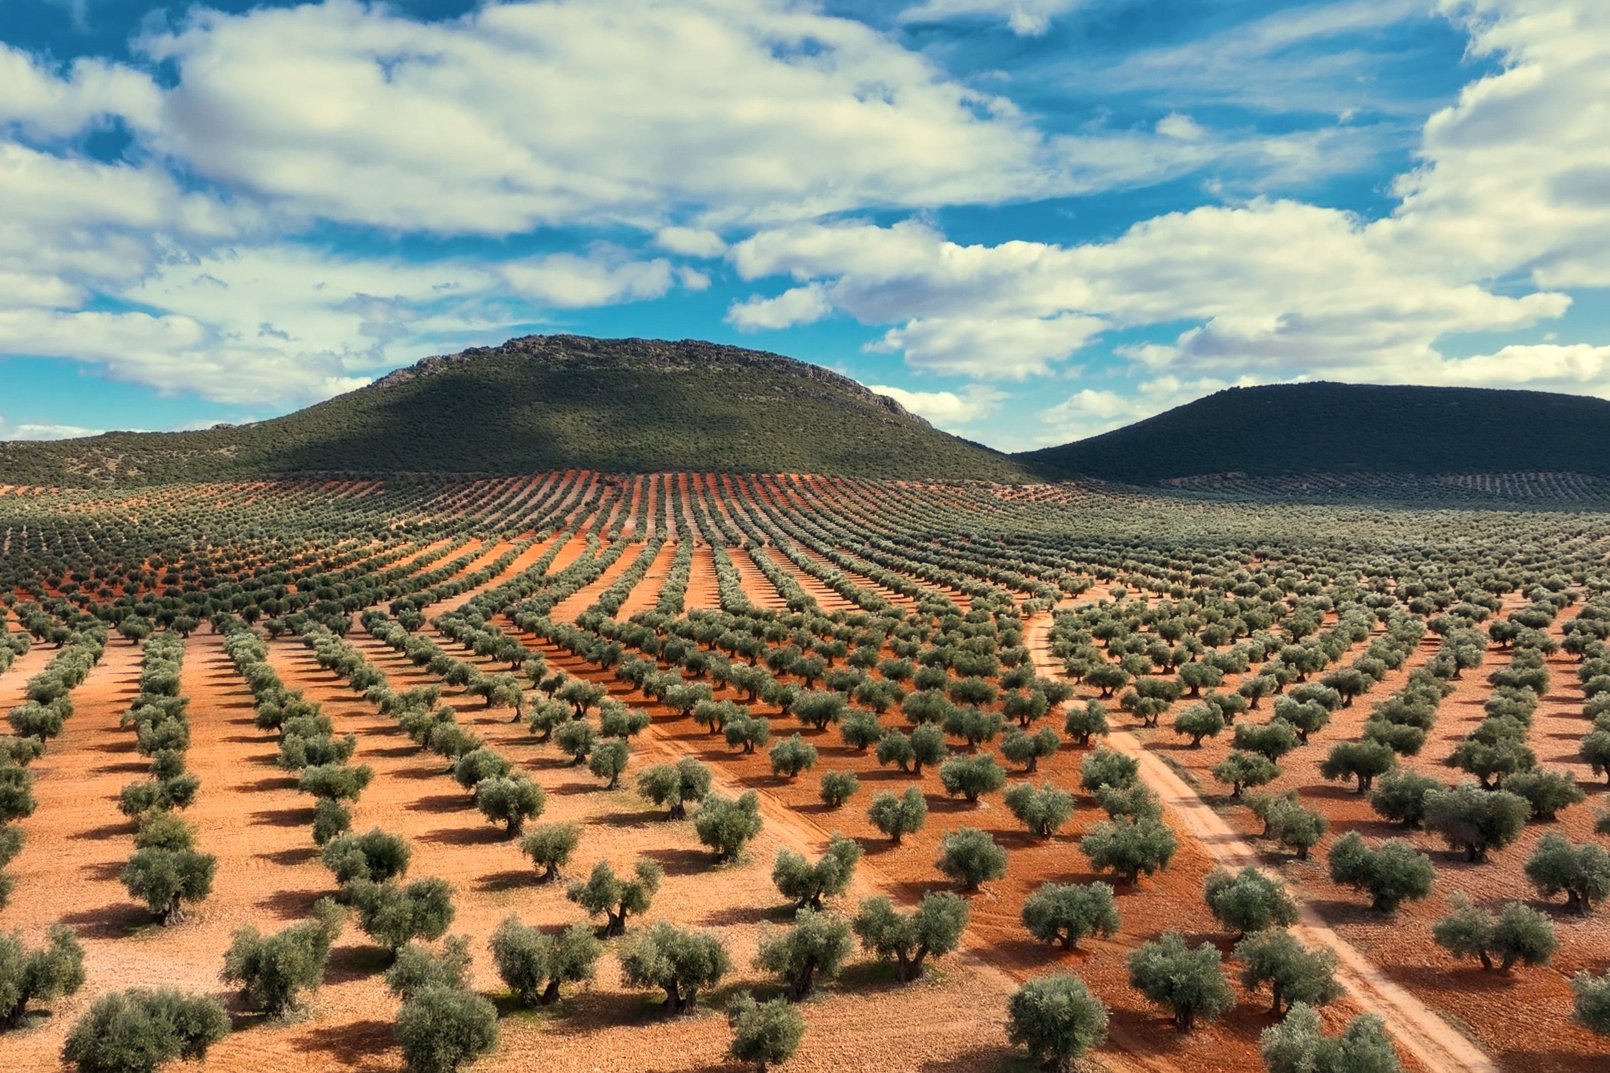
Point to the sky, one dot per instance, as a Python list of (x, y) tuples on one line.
[(1028, 220)]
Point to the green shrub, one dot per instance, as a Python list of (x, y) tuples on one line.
[(136, 1031)]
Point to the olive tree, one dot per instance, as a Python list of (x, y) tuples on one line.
[(1057, 1020), (615, 899), (1129, 847), (816, 946), (1190, 982), (933, 929), (1392, 873), (838, 787), (1248, 901), (1242, 769), (442, 1029), (510, 801), (1042, 809), (972, 776), (1064, 913), (970, 856), (673, 786), (726, 825), (1476, 820), (1581, 873), (43, 974), (763, 1033), (1590, 1006), (898, 816), (679, 961), (1293, 972), (1299, 1045), (273, 970), (807, 882), (534, 964), (1515, 933), (393, 914), (168, 879)]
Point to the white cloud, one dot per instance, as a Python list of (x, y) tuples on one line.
[(1009, 348), (1028, 18), (1513, 186), (47, 105), (690, 242), (34, 431), (1176, 125), (947, 409), (570, 281), (799, 305), (637, 111)]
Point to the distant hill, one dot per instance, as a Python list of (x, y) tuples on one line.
[(1327, 428), (549, 402)]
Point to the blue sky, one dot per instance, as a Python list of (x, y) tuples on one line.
[(1029, 220)]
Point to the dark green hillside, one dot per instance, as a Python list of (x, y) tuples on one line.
[(1344, 428), (548, 402)]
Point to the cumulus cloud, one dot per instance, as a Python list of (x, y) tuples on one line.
[(799, 305), (1503, 212), (524, 114), (948, 409), (572, 281), (690, 241)]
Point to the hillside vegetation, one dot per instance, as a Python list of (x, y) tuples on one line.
[(549, 402), (1327, 428)]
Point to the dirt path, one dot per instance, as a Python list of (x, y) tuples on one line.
[(1432, 1040)]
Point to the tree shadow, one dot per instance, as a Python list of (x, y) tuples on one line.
[(273, 782), (502, 882), (682, 862), (749, 914), (133, 767), (355, 1045), (467, 836), (348, 963), (291, 904), (980, 1059), (290, 857), (116, 921), (110, 830), (282, 817), (439, 803), (105, 871)]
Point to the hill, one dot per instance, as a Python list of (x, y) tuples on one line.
[(548, 402), (1329, 428)]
